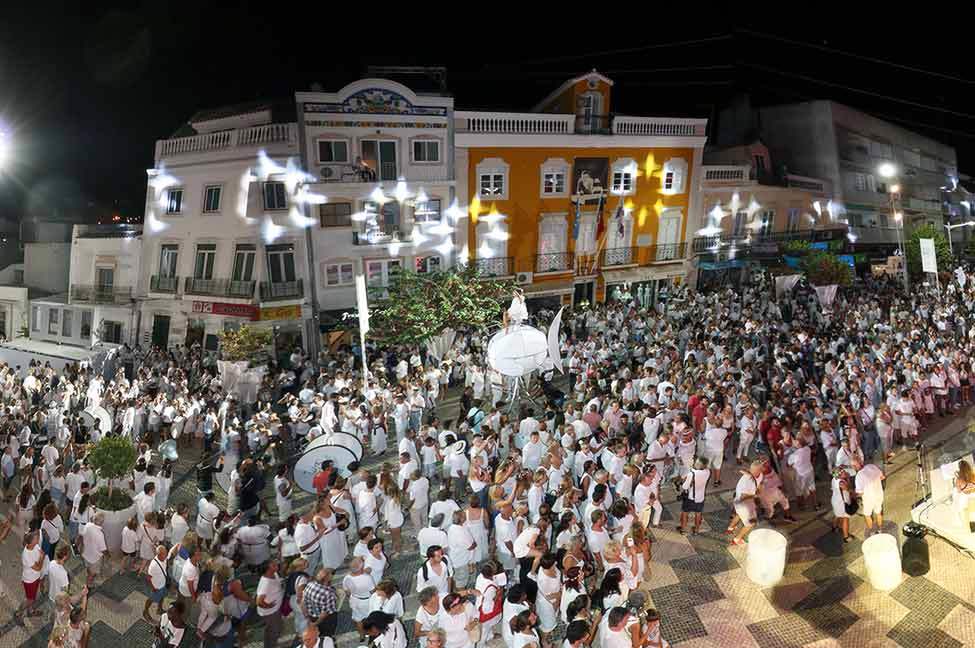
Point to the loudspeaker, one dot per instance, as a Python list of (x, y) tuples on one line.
[(916, 559)]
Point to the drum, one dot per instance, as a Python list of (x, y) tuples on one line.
[(311, 462), (343, 439)]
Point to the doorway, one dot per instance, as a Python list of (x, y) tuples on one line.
[(160, 331), (584, 292)]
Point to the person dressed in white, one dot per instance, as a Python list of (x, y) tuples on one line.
[(207, 512), (517, 312), (801, 460), (869, 484), (461, 547), (746, 494), (359, 586)]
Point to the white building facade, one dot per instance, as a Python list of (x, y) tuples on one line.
[(224, 242), (382, 156)]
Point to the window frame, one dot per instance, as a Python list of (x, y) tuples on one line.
[(281, 250), (169, 200), (338, 265), (419, 217), (35, 319), (421, 264), (322, 215), (674, 171), (332, 140), (54, 321), (207, 252), (794, 218), (242, 250), (626, 169), (493, 167), (89, 316), (423, 142), (385, 272), (264, 195), (206, 192), (554, 166)]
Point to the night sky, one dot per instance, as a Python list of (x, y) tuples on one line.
[(85, 93)]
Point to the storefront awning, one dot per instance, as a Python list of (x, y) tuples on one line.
[(549, 289), (634, 275)]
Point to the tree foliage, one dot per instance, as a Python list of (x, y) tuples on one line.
[(113, 459), (825, 269), (245, 343), (796, 248), (416, 307), (913, 250)]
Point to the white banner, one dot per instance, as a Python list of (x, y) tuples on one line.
[(826, 295), (929, 259), (362, 302), (784, 284)]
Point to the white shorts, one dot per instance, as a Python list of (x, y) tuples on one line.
[(870, 506), (715, 458), (746, 511), (805, 484)]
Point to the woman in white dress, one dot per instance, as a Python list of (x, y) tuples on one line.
[(387, 598), (458, 619), (627, 562), (392, 514), (548, 601), (334, 545), (461, 546), (377, 434), (428, 613), (359, 587), (375, 560), (477, 521), (573, 586), (282, 493), (842, 495), (284, 542), (515, 603)]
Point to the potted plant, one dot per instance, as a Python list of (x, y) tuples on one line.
[(113, 459)]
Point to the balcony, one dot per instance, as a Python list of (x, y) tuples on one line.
[(659, 126), (495, 267), (219, 288), (101, 294), (381, 238), (755, 241), (254, 136), (715, 174), (620, 256), (666, 252), (557, 262), (503, 123), (160, 284), (514, 123), (280, 290)]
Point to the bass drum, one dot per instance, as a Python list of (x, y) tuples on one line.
[(311, 462), (342, 439)]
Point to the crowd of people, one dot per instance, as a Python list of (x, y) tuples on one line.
[(533, 521)]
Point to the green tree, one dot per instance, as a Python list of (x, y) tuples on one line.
[(246, 343), (416, 307), (826, 269), (112, 459), (942, 253)]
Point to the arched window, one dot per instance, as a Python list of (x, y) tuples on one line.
[(674, 176)]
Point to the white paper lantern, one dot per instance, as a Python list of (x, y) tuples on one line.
[(765, 562), (883, 561)]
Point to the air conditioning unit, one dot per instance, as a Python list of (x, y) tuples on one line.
[(523, 278), (332, 172)]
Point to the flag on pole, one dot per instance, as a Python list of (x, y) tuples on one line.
[(620, 212), (600, 225), (362, 303)]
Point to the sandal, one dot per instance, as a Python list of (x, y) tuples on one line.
[(680, 530)]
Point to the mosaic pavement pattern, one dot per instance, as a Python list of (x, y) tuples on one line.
[(697, 583)]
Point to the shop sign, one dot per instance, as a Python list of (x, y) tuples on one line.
[(245, 311), (281, 313)]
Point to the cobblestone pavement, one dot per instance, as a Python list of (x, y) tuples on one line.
[(697, 582)]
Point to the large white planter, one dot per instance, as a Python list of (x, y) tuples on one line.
[(112, 527), (882, 557), (766, 557)]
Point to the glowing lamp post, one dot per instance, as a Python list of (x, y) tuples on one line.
[(889, 172), (882, 558), (4, 148), (765, 563)]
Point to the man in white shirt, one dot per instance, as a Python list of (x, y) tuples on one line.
[(646, 498), (432, 535), (270, 594), (870, 489), (156, 577), (419, 494), (93, 546), (531, 453), (308, 540), (746, 496), (505, 533), (145, 501)]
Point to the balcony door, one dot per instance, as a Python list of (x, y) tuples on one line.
[(381, 156), (281, 263), (552, 243), (619, 232), (104, 279), (668, 235), (167, 261), (589, 111)]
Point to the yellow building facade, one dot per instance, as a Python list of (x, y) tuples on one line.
[(571, 200)]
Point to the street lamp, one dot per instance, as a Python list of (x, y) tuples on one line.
[(889, 171), (948, 227), (4, 148)]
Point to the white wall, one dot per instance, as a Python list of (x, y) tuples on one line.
[(47, 266), (13, 302), (121, 254)]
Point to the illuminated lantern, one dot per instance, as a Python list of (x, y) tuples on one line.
[(765, 562), (883, 560)]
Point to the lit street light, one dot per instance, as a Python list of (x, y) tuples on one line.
[(948, 227), (4, 148), (889, 171)]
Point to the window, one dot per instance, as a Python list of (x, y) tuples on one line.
[(854, 219), (380, 155), (52, 321), (860, 181), (66, 324), (427, 211), (333, 151), (426, 151), (111, 332), (427, 264), (767, 221), (206, 254), (105, 278), (174, 201), (275, 196), (86, 324), (622, 182), (739, 227), (167, 261), (244, 258), (378, 273), (339, 274), (553, 182), (18, 277), (492, 179), (211, 198), (759, 161), (675, 174), (381, 220), (881, 187), (492, 184), (35, 318), (335, 214), (881, 150), (882, 220), (794, 219), (281, 263)]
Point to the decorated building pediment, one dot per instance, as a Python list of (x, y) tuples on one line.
[(376, 101)]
